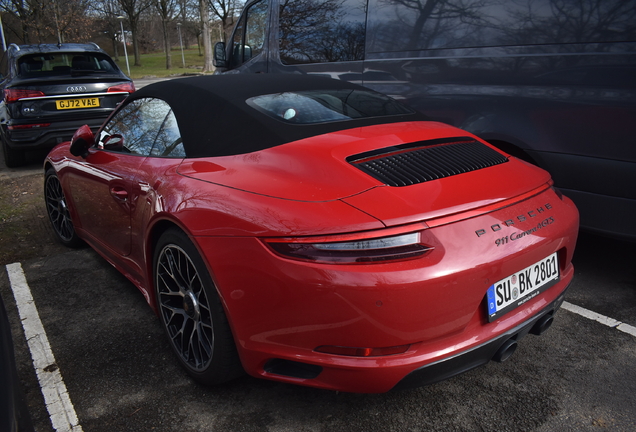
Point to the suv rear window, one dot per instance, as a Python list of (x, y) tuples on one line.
[(60, 64)]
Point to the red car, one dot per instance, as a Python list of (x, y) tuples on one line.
[(311, 231)]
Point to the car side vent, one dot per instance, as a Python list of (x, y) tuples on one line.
[(423, 161)]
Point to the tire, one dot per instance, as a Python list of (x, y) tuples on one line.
[(12, 158), (191, 311), (58, 212)]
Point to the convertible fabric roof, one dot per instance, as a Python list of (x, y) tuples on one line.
[(215, 120)]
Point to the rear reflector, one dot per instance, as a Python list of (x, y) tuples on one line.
[(362, 352), (28, 126)]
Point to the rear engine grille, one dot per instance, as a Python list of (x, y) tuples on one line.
[(423, 161)]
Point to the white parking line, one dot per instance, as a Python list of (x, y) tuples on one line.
[(56, 397), (610, 322)]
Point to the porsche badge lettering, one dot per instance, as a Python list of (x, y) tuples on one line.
[(517, 235), (521, 218)]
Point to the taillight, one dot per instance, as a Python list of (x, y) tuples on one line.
[(368, 250), (13, 95), (127, 87)]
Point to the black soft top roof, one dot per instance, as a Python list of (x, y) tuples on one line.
[(215, 120)]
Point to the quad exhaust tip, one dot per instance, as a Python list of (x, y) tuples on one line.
[(505, 351), (542, 324), (508, 348)]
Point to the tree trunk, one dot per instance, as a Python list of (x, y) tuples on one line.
[(136, 49), (133, 29), (207, 44), (116, 48), (166, 44)]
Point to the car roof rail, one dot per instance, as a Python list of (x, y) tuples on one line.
[(95, 45), (15, 46)]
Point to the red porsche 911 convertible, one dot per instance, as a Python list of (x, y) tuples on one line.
[(311, 231)]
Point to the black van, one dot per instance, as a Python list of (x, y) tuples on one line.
[(550, 81)]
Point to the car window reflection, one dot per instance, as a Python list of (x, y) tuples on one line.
[(146, 127), (169, 142)]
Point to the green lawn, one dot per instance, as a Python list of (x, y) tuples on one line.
[(154, 64)]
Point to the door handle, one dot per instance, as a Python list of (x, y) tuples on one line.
[(119, 193)]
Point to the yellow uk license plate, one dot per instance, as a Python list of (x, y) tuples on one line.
[(77, 103)]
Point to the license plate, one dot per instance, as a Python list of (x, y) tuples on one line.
[(77, 103), (518, 288)]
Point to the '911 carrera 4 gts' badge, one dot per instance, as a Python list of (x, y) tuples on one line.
[(521, 218), (517, 235)]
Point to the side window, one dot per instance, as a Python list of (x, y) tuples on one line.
[(256, 29), (249, 35), (319, 31), (169, 142), (135, 127), (237, 42)]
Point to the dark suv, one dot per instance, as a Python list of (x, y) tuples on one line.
[(49, 91)]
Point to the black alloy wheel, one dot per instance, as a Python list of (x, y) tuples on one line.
[(191, 311), (57, 210)]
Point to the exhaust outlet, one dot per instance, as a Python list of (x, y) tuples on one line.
[(542, 324), (505, 351)]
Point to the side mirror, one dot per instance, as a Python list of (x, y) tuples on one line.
[(219, 60), (82, 140), (114, 142), (247, 52)]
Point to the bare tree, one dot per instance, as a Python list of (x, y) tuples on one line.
[(25, 11), (205, 35), (71, 20), (167, 10), (45, 21), (133, 9), (108, 11), (226, 11)]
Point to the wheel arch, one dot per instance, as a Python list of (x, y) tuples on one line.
[(157, 228), (153, 234), (229, 362)]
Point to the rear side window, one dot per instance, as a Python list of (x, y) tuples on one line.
[(61, 64), (320, 31), (323, 106)]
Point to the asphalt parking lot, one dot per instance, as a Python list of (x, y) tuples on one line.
[(120, 374)]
